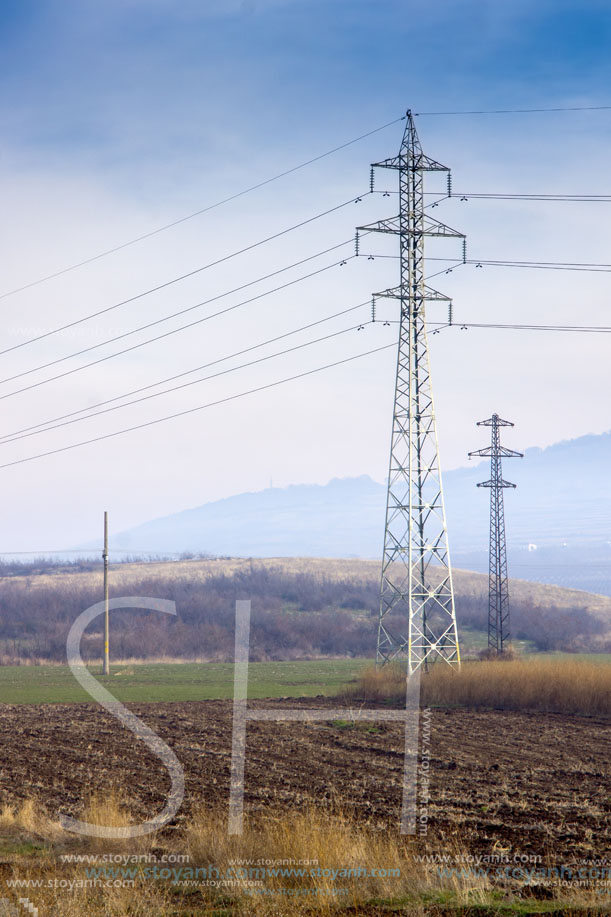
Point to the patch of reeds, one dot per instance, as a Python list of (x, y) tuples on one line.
[(542, 685)]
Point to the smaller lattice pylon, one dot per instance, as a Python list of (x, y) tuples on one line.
[(499, 633)]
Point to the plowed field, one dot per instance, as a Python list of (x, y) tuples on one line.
[(529, 783)]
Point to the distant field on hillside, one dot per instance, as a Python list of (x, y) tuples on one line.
[(465, 582), (301, 609)]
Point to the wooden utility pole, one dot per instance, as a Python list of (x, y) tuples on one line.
[(106, 621)]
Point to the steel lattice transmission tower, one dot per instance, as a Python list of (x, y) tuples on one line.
[(498, 583), (416, 592)]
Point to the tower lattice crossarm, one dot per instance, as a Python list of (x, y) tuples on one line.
[(417, 618), (499, 631)]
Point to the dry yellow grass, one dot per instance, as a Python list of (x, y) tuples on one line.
[(362, 860), (349, 864), (379, 685), (30, 817), (545, 685), (111, 810)]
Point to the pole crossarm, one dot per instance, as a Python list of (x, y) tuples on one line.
[(498, 581), (417, 619), (491, 422), (421, 163), (427, 227), (428, 293), (497, 450)]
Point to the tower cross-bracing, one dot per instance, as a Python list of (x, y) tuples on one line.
[(499, 634), (417, 619)]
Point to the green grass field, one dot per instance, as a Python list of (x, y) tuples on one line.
[(139, 683), (53, 684)]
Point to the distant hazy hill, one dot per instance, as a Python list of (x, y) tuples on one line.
[(344, 518), (558, 519), (563, 496)]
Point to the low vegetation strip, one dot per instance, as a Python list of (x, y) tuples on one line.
[(179, 681), (283, 865), (557, 684), (541, 685), (301, 612)]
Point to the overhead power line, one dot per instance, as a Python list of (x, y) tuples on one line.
[(174, 280), (453, 263), (584, 329), (187, 372), (86, 552), (590, 267), (44, 426), (566, 198), (511, 196), (172, 331), (226, 200), (442, 326), (201, 407), (187, 309), (183, 385), (516, 111), (90, 411)]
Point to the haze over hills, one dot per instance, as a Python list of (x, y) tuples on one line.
[(558, 518)]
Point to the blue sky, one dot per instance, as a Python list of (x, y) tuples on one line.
[(116, 84), (118, 117)]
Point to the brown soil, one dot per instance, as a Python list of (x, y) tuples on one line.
[(500, 780)]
